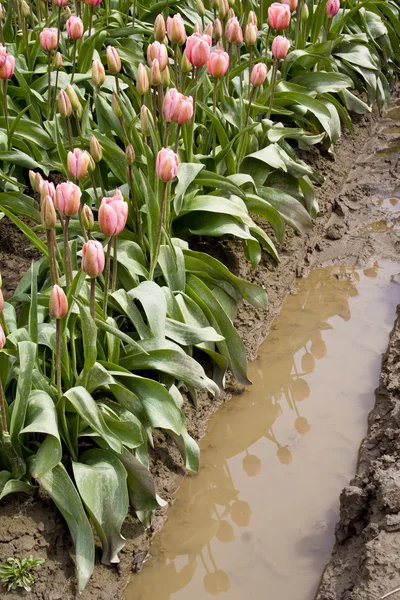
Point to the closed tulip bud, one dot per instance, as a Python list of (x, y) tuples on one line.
[(1, 301), (231, 2), (197, 28), (198, 49), (48, 215), (48, 38), (214, 4), (98, 73), (280, 47), (1, 12), (160, 29), (217, 30), (91, 165), (218, 63), (250, 34), (113, 60), (3, 55), (155, 73), (252, 18), (68, 198), (67, 12), (258, 74), (279, 16), (129, 154), (64, 105), (74, 28), (142, 80), (223, 8), (61, 3), (78, 163), (233, 31), (176, 30), (95, 149), (186, 67), (116, 107), (200, 8), (25, 10), (58, 60), (2, 338), (46, 188), (208, 30), (304, 12), (93, 258), (145, 118), (177, 107), (92, 2), (165, 77), (35, 181), (7, 70), (58, 303), (292, 4), (87, 217), (157, 51), (231, 14), (332, 8), (113, 213), (167, 164), (73, 98)]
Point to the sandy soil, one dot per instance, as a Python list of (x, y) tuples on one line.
[(33, 526)]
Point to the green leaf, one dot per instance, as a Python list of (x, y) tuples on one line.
[(172, 264), (152, 298), (27, 357), (188, 335), (187, 173), (89, 334), (291, 209), (102, 483), (58, 485), (141, 488), (321, 81), (20, 205), (14, 486)]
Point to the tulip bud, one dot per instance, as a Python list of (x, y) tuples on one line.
[(87, 217), (47, 189), (157, 51), (231, 14), (167, 164), (2, 338), (78, 163), (218, 63), (279, 16), (67, 12), (35, 181), (233, 32), (25, 10), (48, 38), (304, 12), (98, 73), (113, 213), (64, 105), (72, 97), (198, 49), (223, 8), (280, 47), (7, 70), (145, 118), (252, 18), (176, 30), (250, 35), (258, 74), (217, 30), (165, 77), (95, 149), (116, 107), (58, 60), (214, 4), (208, 30), (186, 67), (48, 215), (1, 300), (68, 198), (1, 12), (58, 303), (91, 164), (201, 11), (113, 60), (142, 80), (92, 258), (332, 8), (155, 73), (74, 28), (129, 154), (159, 28)]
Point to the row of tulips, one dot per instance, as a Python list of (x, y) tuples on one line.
[(141, 131)]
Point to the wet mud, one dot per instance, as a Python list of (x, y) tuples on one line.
[(349, 200)]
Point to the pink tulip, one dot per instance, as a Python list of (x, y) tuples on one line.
[(98, 73), (7, 70), (92, 258), (157, 51), (113, 213), (142, 80), (218, 63), (3, 55), (186, 110), (233, 31), (61, 2), (198, 49), (258, 74), (292, 4), (74, 28), (279, 16), (48, 215), (332, 8), (2, 338), (280, 47), (92, 2), (68, 198), (58, 303), (177, 107), (167, 164), (48, 38), (46, 188), (176, 30), (78, 163), (113, 60)]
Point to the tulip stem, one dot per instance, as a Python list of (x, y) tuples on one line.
[(4, 324), (250, 66), (39, 10), (49, 85), (115, 264), (298, 12), (69, 132), (1, 33), (55, 93), (6, 111), (176, 66), (107, 277), (73, 61), (3, 411), (273, 84), (161, 220), (52, 257), (97, 200), (167, 128), (58, 26), (103, 191), (178, 133), (67, 254), (58, 357), (92, 296), (90, 20), (136, 210), (215, 111)]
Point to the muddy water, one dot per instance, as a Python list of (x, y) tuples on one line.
[(259, 517)]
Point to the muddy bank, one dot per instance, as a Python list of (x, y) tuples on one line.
[(30, 526)]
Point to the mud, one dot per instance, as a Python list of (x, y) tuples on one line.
[(346, 203)]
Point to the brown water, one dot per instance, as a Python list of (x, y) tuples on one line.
[(258, 520)]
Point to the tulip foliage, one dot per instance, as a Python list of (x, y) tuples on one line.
[(125, 134)]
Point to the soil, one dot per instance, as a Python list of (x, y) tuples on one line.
[(33, 526)]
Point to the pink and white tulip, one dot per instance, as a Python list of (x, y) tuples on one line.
[(48, 39), (93, 259), (198, 48), (78, 163), (279, 16), (113, 213), (218, 63), (68, 198), (167, 164)]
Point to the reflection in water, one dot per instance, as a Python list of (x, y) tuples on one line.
[(259, 517)]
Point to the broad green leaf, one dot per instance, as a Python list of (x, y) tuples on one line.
[(291, 210), (14, 486), (152, 298), (27, 357), (187, 335), (89, 335), (141, 488), (186, 174), (172, 264), (322, 82)]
